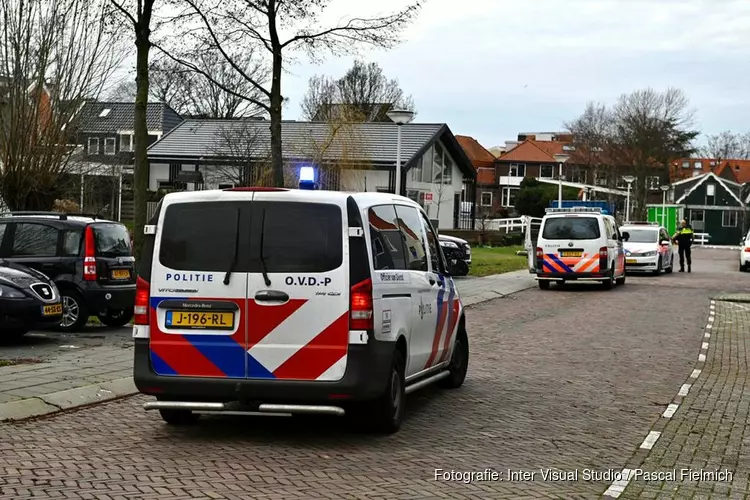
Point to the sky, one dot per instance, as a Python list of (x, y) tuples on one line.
[(501, 67)]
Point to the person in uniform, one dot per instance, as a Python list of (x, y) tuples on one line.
[(684, 239)]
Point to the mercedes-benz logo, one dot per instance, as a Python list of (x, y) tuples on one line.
[(570, 244)]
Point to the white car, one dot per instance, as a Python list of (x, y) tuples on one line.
[(648, 248), (745, 254), (294, 301)]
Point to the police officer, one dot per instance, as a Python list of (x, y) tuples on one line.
[(684, 239)]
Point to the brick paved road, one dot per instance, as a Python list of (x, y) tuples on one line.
[(571, 378)]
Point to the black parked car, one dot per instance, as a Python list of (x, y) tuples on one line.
[(457, 253), (89, 259), (28, 299)]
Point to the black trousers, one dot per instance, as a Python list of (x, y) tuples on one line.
[(685, 254)]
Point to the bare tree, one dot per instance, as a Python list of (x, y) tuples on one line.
[(53, 56), (241, 153), (364, 93), (726, 146), (280, 28)]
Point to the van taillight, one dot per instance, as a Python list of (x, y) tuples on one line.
[(142, 298), (360, 311), (89, 256), (539, 258), (603, 258)]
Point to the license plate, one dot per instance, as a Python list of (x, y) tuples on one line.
[(631, 261), (207, 320), (121, 274), (52, 310), (571, 254)]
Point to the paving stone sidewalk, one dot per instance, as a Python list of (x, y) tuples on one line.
[(708, 433), (93, 366)]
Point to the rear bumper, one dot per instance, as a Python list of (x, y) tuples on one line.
[(104, 297), (367, 370), (572, 276), (25, 313)]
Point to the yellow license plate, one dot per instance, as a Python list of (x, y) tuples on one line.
[(121, 274), (631, 261), (571, 254), (193, 319), (52, 310)]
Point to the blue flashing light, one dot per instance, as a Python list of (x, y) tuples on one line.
[(306, 174)]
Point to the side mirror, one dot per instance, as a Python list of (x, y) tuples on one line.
[(625, 235), (665, 242)]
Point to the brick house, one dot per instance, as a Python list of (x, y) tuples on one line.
[(488, 199)]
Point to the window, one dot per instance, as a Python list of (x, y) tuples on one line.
[(685, 164), (385, 238), (112, 240), (546, 171), (621, 184), (643, 235), (509, 196), (126, 142), (601, 179), (35, 240), (486, 199), (93, 146), (571, 228), (109, 146), (517, 170), (729, 218), (2, 234), (697, 218), (447, 169), (417, 196), (710, 194), (435, 250), (105, 112), (228, 185), (72, 243), (438, 165), (411, 231), (698, 165), (652, 182), (579, 176), (426, 165)]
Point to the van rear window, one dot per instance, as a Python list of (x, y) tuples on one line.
[(297, 237), (571, 228)]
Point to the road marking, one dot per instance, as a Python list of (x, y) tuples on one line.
[(684, 390), (650, 440), (708, 327), (704, 345), (707, 335), (701, 357), (696, 373), (670, 410), (619, 485)]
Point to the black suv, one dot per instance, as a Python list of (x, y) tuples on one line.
[(89, 259)]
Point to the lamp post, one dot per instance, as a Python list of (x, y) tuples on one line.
[(399, 117), (560, 159), (629, 179), (664, 190)]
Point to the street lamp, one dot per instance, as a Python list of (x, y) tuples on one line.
[(560, 159), (629, 179), (399, 117), (664, 191)]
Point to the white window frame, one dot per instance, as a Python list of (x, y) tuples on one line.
[(93, 140), (516, 167), (505, 196), (710, 191), (685, 164), (131, 143), (724, 220), (481, 198), (110, 141), (653, 182), (698, 165), (552, 170)]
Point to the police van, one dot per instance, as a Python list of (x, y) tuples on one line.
[(294, 301), (580, 244)]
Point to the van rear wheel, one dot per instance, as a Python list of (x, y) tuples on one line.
[(543, 284), (459, 363), (179, 417), (385, 414), (609, 283)]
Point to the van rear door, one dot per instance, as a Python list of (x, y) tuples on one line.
[(571, 244), (198, 305), (298, 288)]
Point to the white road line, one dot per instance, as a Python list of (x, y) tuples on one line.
[(684, 390), (670, 410), (704, 345), (650, 440), (707, 335), (619, 485), (696, 373), (708, 327), (701, 357)]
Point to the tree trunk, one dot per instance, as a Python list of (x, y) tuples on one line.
[(141, 168), (277, 160)]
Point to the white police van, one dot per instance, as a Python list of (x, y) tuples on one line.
[(294, 301), (580, 244)]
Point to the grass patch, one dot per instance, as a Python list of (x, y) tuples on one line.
[(6, 362), (496, 260), (19, 361)]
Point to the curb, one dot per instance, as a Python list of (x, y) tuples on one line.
[(47, 404)]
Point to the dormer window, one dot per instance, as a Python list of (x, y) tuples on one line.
[(104, 113)]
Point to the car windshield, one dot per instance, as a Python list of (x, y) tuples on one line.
[(112, 240), (571, 228), (642, 235)]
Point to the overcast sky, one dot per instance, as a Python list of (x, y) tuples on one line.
[(500, 67)]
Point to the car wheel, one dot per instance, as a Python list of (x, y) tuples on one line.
[(621, 281), (609, 283), (658, 269), (385, 414), (671, 266), (115, 318), (459, 363), (75, 312), (544, 284), (179, 417)]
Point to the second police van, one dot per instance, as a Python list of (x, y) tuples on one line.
[(294, 301), (579, 244)]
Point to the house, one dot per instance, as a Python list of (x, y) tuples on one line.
[(104, 133), (484, 163), (713, 205), (211, 154), (733, 170)]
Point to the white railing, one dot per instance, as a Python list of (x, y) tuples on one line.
[(505, 225), (701, 238)]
